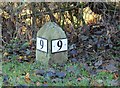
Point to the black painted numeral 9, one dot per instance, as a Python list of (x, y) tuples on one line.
[(41, 44), (59, 44)]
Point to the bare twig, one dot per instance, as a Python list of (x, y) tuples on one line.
[(50, 12)]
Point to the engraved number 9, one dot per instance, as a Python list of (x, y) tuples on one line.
[(59, 44), (41, 44)]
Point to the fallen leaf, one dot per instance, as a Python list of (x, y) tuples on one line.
[(89, 16), (44, 84), (37, 83), (5, 54), (25, 45), (95, 83), (73, 52), (111, 68), (73, 46), (28, 52), (51, 70), (84, 38), (20, 57), (55, 80), (79, 79), (50, 74), (74, 59), (98, 63), (5, 79), (115, 83), (40, 72), (60, 74), (70, 69), (27, 78), (22, 86), (116, 75)]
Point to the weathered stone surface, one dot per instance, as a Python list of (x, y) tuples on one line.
[(51, 31)]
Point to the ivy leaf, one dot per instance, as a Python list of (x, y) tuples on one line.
[(73, 53), (60, 74), (25, 45), (28, 52), (5, 79), (50, 74), (40, 72), (74, 59)]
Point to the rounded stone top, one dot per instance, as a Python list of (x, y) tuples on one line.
[(51, 30)]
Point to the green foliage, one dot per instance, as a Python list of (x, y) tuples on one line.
[(104, 75), (16, 75), (84, 82), (18, 31)]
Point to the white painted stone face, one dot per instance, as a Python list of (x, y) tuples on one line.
[(59, 45), (42, 44), (51, 45)]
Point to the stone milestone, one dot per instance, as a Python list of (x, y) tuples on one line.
[(51, 46)]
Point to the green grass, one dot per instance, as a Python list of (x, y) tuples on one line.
[(16, 72)]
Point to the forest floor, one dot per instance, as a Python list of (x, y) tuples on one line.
[(93, 59), (88, 64)]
